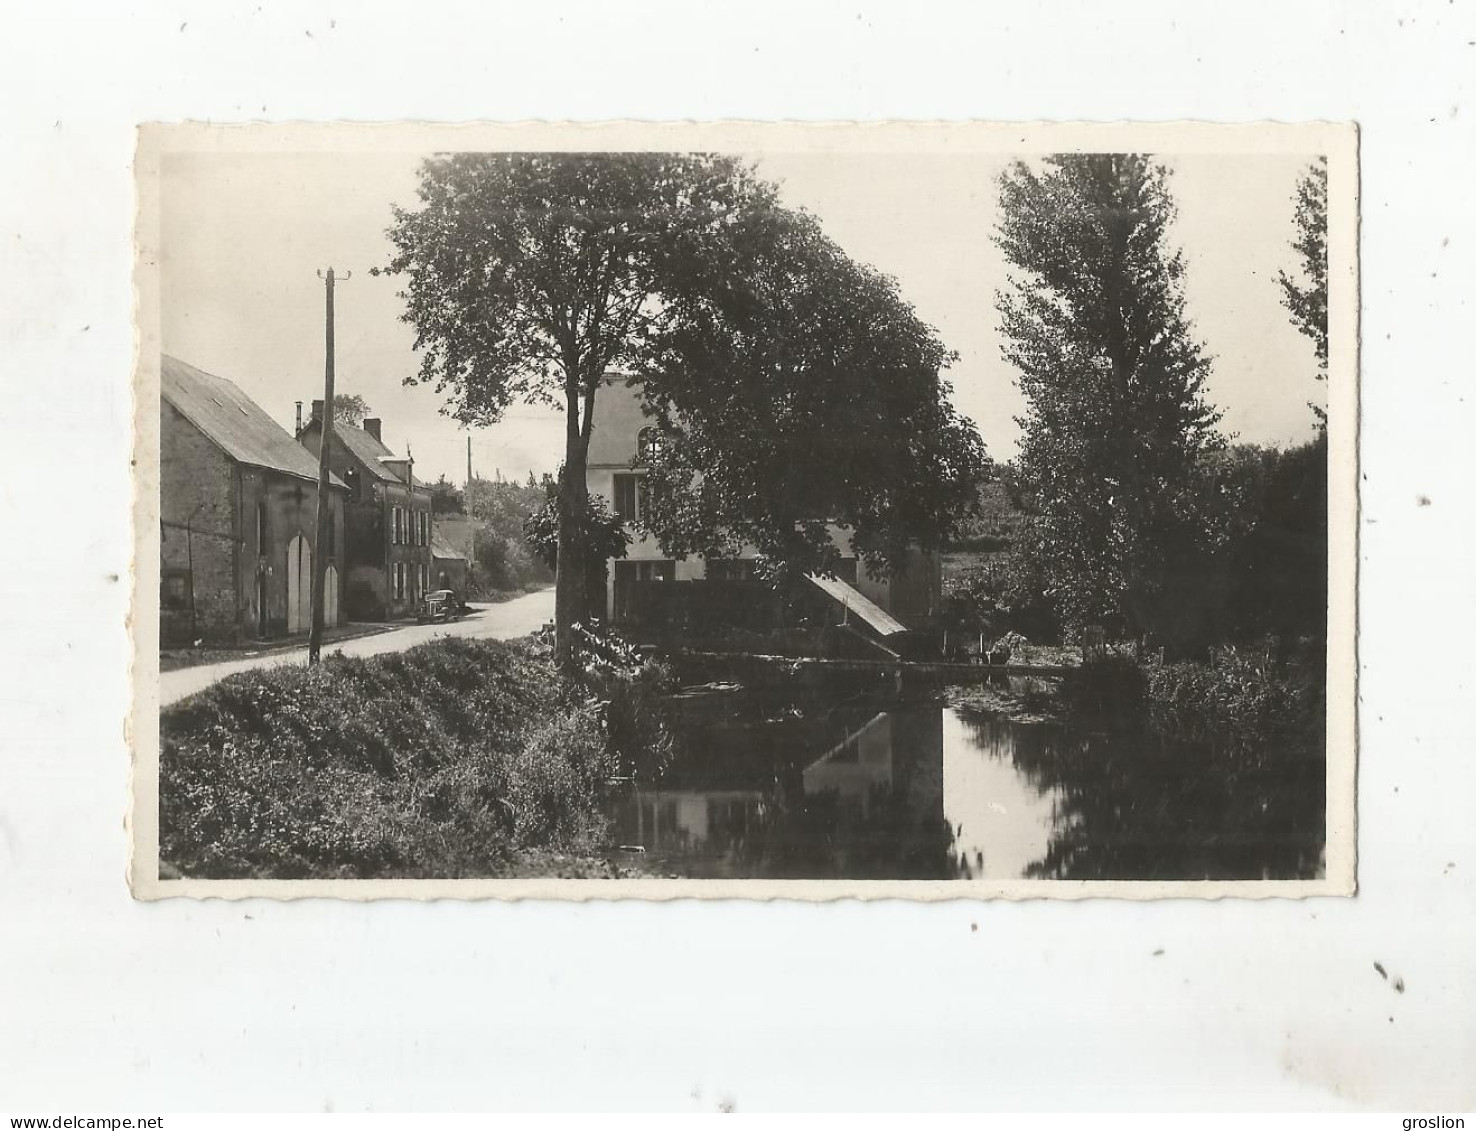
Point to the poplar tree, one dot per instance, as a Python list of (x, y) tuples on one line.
[(1305, 297), (1116, 425)]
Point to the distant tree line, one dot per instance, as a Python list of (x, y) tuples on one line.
[(503, 557)]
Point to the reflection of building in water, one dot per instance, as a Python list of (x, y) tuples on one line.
[(871, 804), (898, 751), (690, 820), (856, 765)]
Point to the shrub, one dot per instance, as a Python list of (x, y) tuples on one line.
[(630, 690), (1242, 693), (445, 760)]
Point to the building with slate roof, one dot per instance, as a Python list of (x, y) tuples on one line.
[(238, 516), (387, 520)]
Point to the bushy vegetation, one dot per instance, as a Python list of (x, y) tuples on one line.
[(1244, 694), (631, 689), (451, 759)]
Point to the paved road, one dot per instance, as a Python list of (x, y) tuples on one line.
[(517, 617)]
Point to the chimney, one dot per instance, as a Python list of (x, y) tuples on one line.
[(299, 416), (371, 425), (317, 412)]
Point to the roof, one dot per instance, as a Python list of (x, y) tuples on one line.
[(858, 604), (234, 422), (440, 548), (368, 451)]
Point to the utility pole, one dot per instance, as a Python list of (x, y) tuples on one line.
[(325, 515), (414, 522), (468, 462)]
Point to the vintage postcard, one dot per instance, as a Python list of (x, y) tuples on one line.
[(745, 510)]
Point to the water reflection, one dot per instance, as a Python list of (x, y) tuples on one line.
[(922, 791)]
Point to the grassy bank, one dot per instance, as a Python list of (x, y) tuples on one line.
[(1240, 695), (456, 758)]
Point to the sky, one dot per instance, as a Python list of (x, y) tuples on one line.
[(244, 235)]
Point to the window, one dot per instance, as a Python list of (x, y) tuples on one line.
[(649, 445), (399, 581), (397, 525), (261, 529), (174, 590), (626, 494), (424, 577), (424, 529), (650, 570), (731, 569)]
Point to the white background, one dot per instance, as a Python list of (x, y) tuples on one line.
[(106, 1004)]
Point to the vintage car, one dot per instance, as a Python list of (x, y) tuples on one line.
[(439, 605)]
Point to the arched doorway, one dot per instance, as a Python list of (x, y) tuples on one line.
[(299, 584), (330, 597)]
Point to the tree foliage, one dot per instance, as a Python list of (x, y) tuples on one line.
[(791, 386), (1116, 426), (350, 409), (1305, 296), (530, 275), (604, 535), (1276, 558), (601, 536)]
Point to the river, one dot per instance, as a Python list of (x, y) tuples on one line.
[(862, 788)]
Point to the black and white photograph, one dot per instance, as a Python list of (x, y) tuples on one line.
[(818, 511), (652, 557)]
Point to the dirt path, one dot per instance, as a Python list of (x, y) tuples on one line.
[(504, 621)]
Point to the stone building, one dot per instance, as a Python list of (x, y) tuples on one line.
[(238, 516), (387, 523)]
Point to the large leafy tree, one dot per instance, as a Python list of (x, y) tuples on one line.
[(795, 387), (350, 408), (1117, 425), (1305, 294), (530, 275)]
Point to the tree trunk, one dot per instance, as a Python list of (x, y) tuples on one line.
[(571, 606)]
